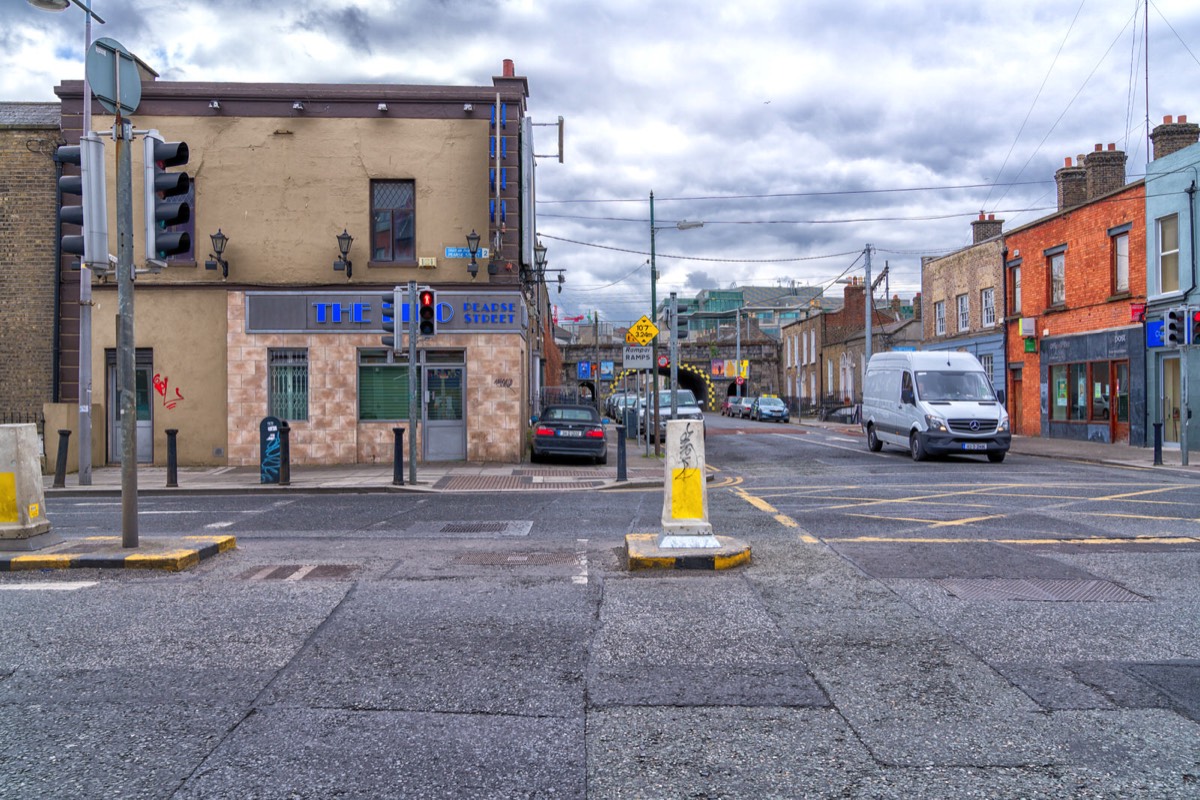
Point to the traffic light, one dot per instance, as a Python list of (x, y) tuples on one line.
[(391, 301), (1176, 334), (681, 326), (1194, 313), (91, 214), (427, 312), (163, 191)]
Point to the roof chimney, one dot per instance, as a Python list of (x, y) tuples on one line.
[(1072, 184), (1171, 137), (1105, 170), (510, 69), (986, 228)]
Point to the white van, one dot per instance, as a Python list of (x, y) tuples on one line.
[(933, 403)]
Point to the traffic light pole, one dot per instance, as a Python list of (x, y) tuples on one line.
[(414, 389), (126, 372), (674, 354)]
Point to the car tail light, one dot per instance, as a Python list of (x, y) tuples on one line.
[(595, 433), (544, 432)]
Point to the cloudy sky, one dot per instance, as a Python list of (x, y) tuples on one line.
[(798, 131)]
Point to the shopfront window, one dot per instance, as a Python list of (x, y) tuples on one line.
[(382, 387), (287, 377), (1089, 391)]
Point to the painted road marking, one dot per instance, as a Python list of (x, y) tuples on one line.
[(581, 560), (782, 519), (933, 523), (218, 525), (300, 573), (47, 586), (1040, 540)]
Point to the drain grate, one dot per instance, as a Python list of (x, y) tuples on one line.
[(510, 559), (1039, 590), (474, 527)]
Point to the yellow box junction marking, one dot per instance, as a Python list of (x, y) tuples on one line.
[(782, 519)]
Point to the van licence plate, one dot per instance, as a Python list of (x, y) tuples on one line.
[(974, 445)]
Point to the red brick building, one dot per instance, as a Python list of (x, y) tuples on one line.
[(1076, 355)]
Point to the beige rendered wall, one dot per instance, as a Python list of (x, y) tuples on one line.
[(186, 329), (282, 189)]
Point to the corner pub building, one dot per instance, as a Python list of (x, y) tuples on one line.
[(281, 323)]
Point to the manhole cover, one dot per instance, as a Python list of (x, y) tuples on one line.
[(1039, 590), (534, 559)]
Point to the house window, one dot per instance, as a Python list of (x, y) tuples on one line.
[(964, 313), (1120, 260), (1015, 276), (287, 377), (939, 318), (382, 387), (1168, 254), (1058, 275), (393, 221), (987, 301)]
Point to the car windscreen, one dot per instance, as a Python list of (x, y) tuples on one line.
[(773, 402), (683, 397), (943, 386), (570, 415)]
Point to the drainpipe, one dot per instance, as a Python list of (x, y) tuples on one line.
[(1004, 328)]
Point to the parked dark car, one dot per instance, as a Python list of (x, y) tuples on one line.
[(769, 408), (568, 430)]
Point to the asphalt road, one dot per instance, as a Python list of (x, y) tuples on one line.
[(951, 628)]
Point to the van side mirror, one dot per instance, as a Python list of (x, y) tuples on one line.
[(1000, 396), (907, 397)]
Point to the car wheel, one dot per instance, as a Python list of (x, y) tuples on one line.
[(534, 457), (602, 459), (996, 458), (915, 447), (873, 443)]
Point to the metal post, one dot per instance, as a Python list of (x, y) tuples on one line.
[(60, 466), (1185, 409), (621, 476), (414, 393), (654, 341), (172, 459), (1158, 444), (85, 296), (126, 372), (737, 353), (870, 297), (596, 384), (674, 355), (285, 453), (398, 457)]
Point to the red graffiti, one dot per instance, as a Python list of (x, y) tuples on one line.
[(160, 386)]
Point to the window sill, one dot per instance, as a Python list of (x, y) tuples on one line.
[(399, 264), (1112, 298)]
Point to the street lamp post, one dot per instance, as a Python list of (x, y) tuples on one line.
[(85, 273), (682, 225)]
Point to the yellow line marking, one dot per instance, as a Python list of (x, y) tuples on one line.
[(782, 519), (942, 540), (933, 523), (1138, 494), (1138, 516)]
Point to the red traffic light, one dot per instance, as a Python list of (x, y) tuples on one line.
[(427, 312), (425, 299)]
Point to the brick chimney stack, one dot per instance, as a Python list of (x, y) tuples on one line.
[(1105, 170), (986, 228), (1173, 136), (917, 305), (1072, 184)]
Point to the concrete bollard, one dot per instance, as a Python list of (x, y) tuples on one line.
[(685, 496), (23, 522)]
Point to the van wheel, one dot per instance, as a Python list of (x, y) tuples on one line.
[(996, 458), (873, 443), (915, 447)]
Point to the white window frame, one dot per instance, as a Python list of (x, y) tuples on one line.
[(939, 318), (1057, 267), (1165, 255), (1120, 245), (1016, 281), (963, 310), (987, 301)]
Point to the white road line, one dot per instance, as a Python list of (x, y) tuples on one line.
[(262, 573), (218, 525), (581, 578), (300, 573), (48, 586)]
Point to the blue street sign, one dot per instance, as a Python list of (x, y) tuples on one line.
[(463, 252), (583, 370), (1154, 334)]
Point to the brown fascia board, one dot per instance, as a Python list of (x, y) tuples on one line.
[(355, 98)]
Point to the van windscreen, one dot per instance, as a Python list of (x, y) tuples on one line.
[(934, 386)]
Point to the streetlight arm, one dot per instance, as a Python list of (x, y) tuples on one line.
[(88, 10)]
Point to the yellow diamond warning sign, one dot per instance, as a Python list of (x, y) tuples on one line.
[(643, 332)]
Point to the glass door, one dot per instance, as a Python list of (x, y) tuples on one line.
[(1169, 391), (445, 422)]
